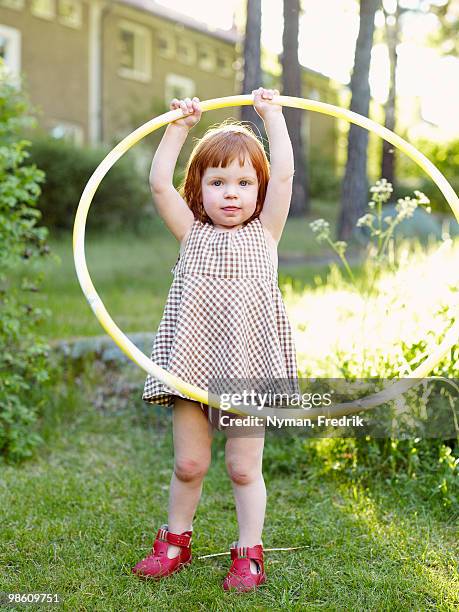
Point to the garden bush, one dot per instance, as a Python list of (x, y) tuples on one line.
[(123, 199), (24, 366)]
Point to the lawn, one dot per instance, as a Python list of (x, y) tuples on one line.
[(77, 518)]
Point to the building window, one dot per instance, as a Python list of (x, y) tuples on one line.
[(10, 50), (135, 52), (12, 4), (224, 64), (178, 86), (66, 130), (206, 58), (186, 52), (70, 13), (166, 45), (46, 9)]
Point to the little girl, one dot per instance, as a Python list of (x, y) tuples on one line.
[(224, 317)]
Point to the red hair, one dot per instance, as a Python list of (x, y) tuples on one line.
[(220, 146)]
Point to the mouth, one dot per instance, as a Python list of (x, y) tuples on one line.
[(231, 208)]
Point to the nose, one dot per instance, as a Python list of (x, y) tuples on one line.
[(230, 192)]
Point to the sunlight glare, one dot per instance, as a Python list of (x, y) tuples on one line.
[(413, 305)]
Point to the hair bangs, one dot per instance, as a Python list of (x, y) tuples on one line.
[(224, 148)]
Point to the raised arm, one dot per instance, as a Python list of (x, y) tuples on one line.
[(169, 203), (279, 191)]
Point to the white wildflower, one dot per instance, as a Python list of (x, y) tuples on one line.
[(341, 246), (319, 225), (321, 228), (365, 220), (381, 190), (421, 197), (405, 207)]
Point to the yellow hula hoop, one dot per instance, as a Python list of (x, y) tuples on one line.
[(391, 391)]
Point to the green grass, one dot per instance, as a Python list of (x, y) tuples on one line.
[(78, 517), (298, 237), (132, 276)]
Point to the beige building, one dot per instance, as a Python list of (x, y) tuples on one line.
[(97, 69)]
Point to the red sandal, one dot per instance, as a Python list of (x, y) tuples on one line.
[(157, 564), (239, 576)]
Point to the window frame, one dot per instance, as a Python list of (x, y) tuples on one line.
[(192, 57), (48, 16), (228, 70), (72, 131), (15, 5), (12, 63), (169, 37), (134, 74), (180, 81), (211, 53), (75, 24)]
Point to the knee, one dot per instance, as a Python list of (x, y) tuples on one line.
[(188, 470), (242, 474)]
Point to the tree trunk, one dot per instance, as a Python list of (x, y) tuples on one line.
[(291, 86), (392, 25), (252, 60), (355, 184)]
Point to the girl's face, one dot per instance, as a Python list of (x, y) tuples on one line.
[(229, 195)]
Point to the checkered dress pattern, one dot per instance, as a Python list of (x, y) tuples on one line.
[(224, 316)]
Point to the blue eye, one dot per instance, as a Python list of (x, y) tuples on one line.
[(218, 182)]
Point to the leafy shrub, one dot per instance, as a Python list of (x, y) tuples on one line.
[(445, 156), (120, 201), (23, 354), (425, 467)]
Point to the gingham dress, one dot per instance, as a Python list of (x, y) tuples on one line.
[(224, 317)]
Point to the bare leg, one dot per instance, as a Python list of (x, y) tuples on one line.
[(192, 455), (244, 457)]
